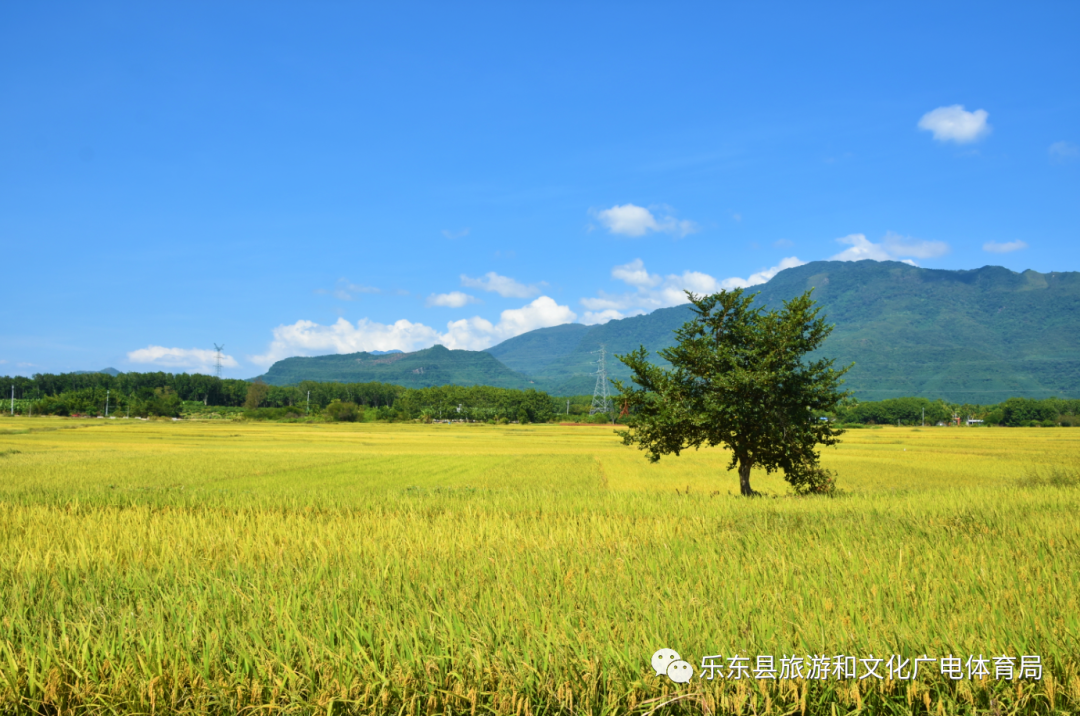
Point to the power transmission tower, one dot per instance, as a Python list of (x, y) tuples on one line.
[(601, 400), (217, 360)]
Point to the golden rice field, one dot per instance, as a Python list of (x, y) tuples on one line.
[(161, 567)]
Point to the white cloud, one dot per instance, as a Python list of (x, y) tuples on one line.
[(455, 234), (502, 285), (783, 243), (476, 333), (893, 247), (198, 359), (307, 337), (592, 318), (454, 299), (954, 124), (764, 275), (1063, 151), (634, 273), (1003, 248), (655, 291), (633, 220)]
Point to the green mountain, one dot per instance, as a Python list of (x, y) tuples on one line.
[(977, 336), (531, 352), (422, 369)]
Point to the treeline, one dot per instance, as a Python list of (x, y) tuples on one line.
[(478, 403), (481, 403), (171, 395), (204, 388), (143, 394), (165, 394), (1014, 412)]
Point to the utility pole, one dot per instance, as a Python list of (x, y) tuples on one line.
[(923, 424), (309, 402), (568, 407), (106, 402), (13, 400)]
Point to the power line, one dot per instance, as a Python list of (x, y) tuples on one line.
[(601, 400), (217, 360)]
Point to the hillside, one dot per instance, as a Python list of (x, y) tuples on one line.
[(531, 352), (571, 369), (422, 369), (108, 371), (977, 336)]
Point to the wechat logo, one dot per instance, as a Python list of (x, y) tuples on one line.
[(668, 661)]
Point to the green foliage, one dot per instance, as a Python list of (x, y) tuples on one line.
[(84, 393), (256, 394), (812, 479), (452, 402), (197, 410), (908, 411), (1016, 412), (271, 414), (165, 403), (342, 412), (739, 378)]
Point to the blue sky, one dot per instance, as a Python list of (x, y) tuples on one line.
[(309, 178)]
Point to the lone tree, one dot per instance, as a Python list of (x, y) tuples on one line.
[(739, 378)]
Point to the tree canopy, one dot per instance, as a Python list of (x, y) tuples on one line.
[(739, 377)]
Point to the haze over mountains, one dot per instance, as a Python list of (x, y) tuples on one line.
[(977, 336)]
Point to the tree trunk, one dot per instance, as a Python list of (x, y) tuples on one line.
[(744, 478)]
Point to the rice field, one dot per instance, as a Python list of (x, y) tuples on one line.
[(231, 567)]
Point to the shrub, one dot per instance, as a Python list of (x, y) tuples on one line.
[(343, 412), (813, 479)]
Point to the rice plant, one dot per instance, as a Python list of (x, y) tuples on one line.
[(159, 567)]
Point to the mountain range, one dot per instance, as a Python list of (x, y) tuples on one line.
[(977, 336)]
